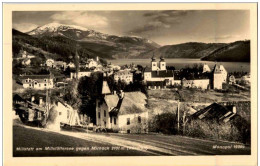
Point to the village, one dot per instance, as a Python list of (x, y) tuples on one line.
[(94, 96)]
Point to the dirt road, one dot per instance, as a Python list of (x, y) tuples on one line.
[(115, 144)]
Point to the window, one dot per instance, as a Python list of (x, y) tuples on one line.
[(60, 113), (44, 84), (35, 83), (154, 64), (105, 113), (111, 119), (98, 115), (128, 131), (139, 119), (115, 121), (128, 121)]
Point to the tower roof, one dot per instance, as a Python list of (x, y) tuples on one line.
[(105, 88), (162, 59)]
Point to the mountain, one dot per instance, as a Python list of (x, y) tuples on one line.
[(111, 45), (238, 51), (185, 50)]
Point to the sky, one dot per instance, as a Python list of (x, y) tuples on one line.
[(163, 27)]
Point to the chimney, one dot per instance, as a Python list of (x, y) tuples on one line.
[(114, 92), (40, 101), (32, 99)]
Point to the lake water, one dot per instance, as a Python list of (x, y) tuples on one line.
[(181, 63)]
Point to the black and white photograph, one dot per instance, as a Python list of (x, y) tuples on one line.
[(172, 82)]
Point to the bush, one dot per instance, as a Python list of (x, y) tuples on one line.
[(215, 130), (164, 123)]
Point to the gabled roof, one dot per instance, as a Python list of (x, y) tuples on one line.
[(215, 111), (111, 100), (132, 102), (35, 77)]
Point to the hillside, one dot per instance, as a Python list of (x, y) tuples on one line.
[(92, 42), (238, 51), (185, 50)]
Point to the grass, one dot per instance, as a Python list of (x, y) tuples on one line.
[(196, 95)]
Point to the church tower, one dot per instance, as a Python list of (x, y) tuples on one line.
[(162, 64), (154, 64)]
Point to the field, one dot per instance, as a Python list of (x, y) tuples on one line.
[(200, 96)]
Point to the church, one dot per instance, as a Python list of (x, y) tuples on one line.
[(158, 76)]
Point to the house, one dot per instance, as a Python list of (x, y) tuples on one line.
[(30, 110), (158, 72), (83, 72), (123, 75), (71, 65), (59, 64), (219, 76), (196, 83), (91, 63), (217, 112), (231, 79), (49, 63), (156, 84), (125, 113), (26, 62), (66, 114), (246, 79), (37, 81), (206, 69)]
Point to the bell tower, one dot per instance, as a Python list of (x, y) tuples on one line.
[(162, 64), (154, 64)]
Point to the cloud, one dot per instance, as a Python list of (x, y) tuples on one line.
[(159, 20), (150, 26), (88, 20), (24, 27)]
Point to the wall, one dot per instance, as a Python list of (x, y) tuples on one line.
[(201, 83), (134, 126)]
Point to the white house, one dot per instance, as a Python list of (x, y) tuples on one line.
[(49, 62), (196, 83), (219, 76), (91, 63), (246, 79), (26, 61), (82, 73), (159, 73), (123, 75), (206, 68), (71, 65), (125, 112), (37, 81)]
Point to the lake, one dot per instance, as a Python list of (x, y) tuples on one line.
[(181, 63)]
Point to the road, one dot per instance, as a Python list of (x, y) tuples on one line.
[(115, 144)]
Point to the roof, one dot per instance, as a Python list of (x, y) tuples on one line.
[(131, 103), (163, 73), (123, 72), (147, 69), (215, 111), (111, 100), (218, 68), (35, 77), (156, 83)]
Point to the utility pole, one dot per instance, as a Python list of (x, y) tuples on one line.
[(178, 112)]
